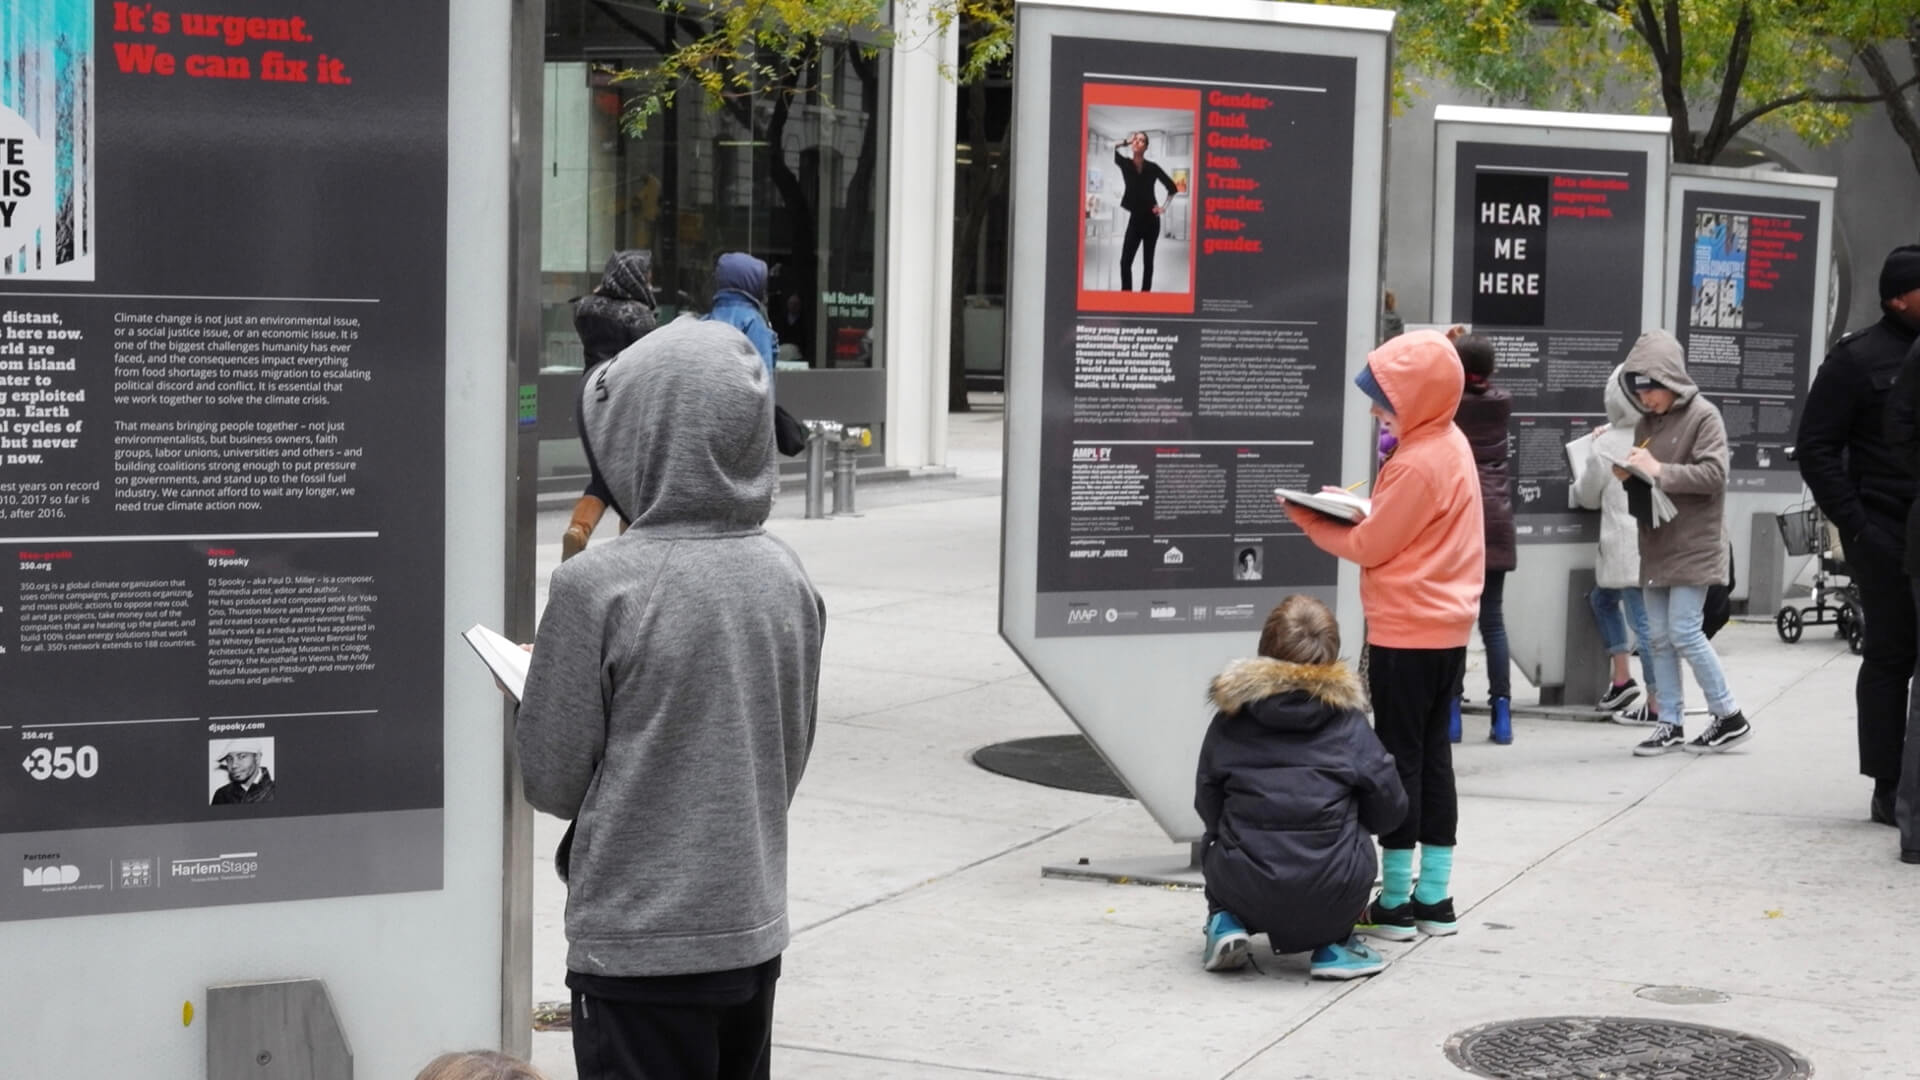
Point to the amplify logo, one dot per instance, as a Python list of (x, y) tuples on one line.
[(242, 866)]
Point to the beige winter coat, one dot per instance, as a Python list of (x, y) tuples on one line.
[(1690, 442)]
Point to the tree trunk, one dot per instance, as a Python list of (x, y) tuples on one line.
[(1900, 112)]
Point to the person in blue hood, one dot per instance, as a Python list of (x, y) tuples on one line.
[(740, 301)]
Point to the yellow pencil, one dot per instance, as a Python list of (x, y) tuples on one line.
[(1356, 487)]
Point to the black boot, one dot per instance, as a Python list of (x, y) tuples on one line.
[(1880, 810)]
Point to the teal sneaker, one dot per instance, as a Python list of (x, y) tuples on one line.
[(1226, 943), (1353, 960)]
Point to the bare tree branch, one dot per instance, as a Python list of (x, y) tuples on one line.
[(1819, 97)]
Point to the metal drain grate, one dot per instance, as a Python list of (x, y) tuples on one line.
[(1068, 762), (1619, 1048)]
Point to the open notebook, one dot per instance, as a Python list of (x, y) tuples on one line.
[(506, 659), (1343, 505)]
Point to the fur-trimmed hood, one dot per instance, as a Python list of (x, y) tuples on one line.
[(1250, 681)]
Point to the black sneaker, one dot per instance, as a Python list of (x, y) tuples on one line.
[(1640, 712), (1725, 731), (1665, 737), (1617, 697), (1435, 920), (1388, 924)]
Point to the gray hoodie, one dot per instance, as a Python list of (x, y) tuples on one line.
[(671, 701), (1690, 442), (1619, 565)]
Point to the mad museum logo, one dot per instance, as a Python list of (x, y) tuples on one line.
[(46, 141)]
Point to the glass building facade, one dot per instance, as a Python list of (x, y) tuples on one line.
[(797, 178)]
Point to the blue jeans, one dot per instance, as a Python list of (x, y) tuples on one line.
[(1606, 604), (1493, 634), (1674, 615)]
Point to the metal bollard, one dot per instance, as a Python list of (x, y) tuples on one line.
[(843, 474), (816, 471)]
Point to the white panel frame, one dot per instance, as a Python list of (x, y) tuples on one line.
[(1139, 697), (410, 974), (1536, 593), (1820, 190)]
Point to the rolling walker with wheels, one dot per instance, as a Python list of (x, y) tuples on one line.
[(1806, 531)]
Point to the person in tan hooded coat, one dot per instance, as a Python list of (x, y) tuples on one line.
[(1680, 447)]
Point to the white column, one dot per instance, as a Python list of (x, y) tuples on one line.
[(920, 242)]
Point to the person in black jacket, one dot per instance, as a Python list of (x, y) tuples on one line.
[(1292, 786), (1482, 417), (1903, 434), (1142, 204), (619, 311), (1864, 487)]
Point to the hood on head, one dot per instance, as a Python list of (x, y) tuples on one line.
[(1251, 681), (1659, 357), (1421, 375), (1623, 408), (626, 276), (742, 273), (680, 425)]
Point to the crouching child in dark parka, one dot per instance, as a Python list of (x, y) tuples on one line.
[(1292, 787)]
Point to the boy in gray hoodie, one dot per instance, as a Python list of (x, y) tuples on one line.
[(669, 712)]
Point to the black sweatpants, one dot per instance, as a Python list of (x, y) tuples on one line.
[(1886, 659), (716, 1026), (1412, 692), (1143, 235)]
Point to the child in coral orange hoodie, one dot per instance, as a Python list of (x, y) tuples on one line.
[(1422, 556)]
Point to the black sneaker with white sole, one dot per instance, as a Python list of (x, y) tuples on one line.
[(1725, 731), (1388, 924), (1436, 920), (1665, 737), (1617, 697)]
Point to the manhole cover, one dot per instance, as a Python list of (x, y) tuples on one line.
[(1057, 761), (1619, 1048)]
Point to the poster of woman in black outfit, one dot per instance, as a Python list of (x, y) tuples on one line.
[(1143, 207)]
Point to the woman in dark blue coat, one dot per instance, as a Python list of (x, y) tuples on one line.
[(1292, 787)]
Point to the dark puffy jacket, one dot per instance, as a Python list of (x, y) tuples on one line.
[(619, 311), (1482, 417), (1291, 785), (1861, 481)]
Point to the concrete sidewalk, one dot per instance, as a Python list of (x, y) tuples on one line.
[(928, 945)]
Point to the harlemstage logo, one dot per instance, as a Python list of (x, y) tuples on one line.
[(240, 866)]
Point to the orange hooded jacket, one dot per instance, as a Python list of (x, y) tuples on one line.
[(1422, 549)]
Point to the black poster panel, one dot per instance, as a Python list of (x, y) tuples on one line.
[(1509, 249), (1196, 314), (222, 387), (1746, 294), (1549, 262)]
